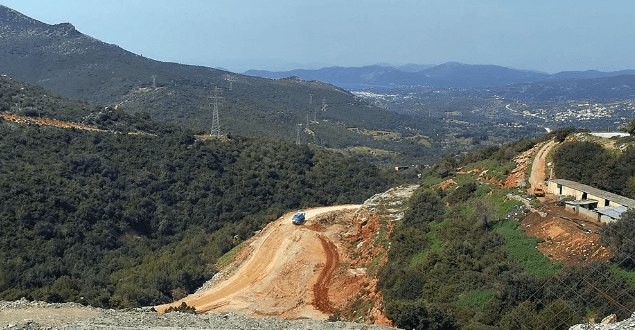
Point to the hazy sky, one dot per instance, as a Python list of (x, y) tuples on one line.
[(544, 35)]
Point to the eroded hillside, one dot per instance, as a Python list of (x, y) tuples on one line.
[(325, 268)]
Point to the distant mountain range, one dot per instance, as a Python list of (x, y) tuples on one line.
[(450, 74)]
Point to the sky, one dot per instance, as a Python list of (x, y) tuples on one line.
[(541, 35)]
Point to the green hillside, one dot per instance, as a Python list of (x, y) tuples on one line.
[(76, 66), (459, 261), (123, 220)]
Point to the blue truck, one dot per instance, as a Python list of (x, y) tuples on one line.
[(298, 218)]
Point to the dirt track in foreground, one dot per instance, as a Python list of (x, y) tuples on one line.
[(286, 276)]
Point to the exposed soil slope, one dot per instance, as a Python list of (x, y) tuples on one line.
[(568, 238), (286, 276), (327, 266), (48, 122)]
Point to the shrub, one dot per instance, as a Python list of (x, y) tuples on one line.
[(425, 207), (620, 235)]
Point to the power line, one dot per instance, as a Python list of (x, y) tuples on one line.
[(215, 120)]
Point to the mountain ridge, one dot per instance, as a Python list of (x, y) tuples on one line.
[(450, 74), (73, 65)]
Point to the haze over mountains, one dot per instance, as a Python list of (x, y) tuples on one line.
[(450, 74)]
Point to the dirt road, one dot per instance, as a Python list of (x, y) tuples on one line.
[(569, 238), (537, 177), (286, 276), (48, 122)]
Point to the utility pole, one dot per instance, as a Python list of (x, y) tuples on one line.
[(215, 121)]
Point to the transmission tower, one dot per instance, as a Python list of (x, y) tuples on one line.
[(231, 80), (324, 105), (215, 121), (297, 139)]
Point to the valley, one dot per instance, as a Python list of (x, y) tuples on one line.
[(419, 187)]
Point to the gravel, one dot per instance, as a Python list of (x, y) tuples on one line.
[(147, 318)]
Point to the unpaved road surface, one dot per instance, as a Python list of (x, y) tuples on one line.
[(48, 122), (537, 177), (287, 275)]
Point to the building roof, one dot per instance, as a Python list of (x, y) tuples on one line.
[(625, 201), (608, 135), (582, 202), (613, 212)]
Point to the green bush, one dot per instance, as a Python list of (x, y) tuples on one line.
[(620, 236), (523, 249), (425, 206)]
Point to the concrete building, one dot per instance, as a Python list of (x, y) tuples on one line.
[(591, 202)]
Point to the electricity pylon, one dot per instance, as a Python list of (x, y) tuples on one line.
[(215, 120)]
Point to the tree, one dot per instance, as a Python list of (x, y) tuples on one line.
[(629, 189), (631, 127), (620, 235), (418, 315), (580, 161), (445, 167)]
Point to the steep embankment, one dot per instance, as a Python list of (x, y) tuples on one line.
[(309, 271), (284, 277)]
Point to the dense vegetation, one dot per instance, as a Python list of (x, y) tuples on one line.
[(73, 65), (119, 220), (590, 163), (619, 235), (458, 261)]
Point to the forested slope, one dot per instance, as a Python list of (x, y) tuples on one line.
[(459, 261), (120, 220)]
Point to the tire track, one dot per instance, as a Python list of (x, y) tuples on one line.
[(321, 287)]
